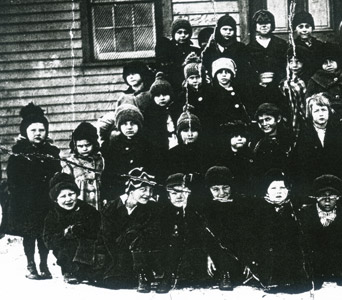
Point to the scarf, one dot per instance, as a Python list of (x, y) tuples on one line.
[(326, 217)]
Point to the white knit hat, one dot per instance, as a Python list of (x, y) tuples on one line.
[(223, 63)]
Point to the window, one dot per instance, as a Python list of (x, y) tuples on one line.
[(123, 29)]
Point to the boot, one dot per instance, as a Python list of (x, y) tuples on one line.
[(165, 285), (44, 271), (32, 271), (144, 285), (225, 282), (70, 278)]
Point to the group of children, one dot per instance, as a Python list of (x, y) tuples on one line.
[(227, 164)]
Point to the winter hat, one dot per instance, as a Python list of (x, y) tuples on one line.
[(327, 182), (218, 175), (236, 128), (32, 114), (223, 63), (84, 131), (204, 35), (303, 17), (180, 23), (128, 112), (135, 67), (188, 120), (161, 86), (178, 182), (270, 176), (61, 181), (192, 65), (332, 52), (268, 109), (138, 178), (263, 16), (225, 20), (302, 54)]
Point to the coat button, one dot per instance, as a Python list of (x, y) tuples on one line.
[(127, 148), (337, 97), (237, 105), (335, 79), (232, 93), (131, 161)]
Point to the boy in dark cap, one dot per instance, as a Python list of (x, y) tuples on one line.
[(322, 223), (71, 229), (204, 36), (29, 169)]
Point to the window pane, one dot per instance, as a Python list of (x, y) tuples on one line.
[(104, 40), (144, 38), (143, 14), (124, 40), (123, 15), (279, 9), (320, 12), (103, 16)]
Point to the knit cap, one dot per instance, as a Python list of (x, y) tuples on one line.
[(225, 20), (138, 178), (128, 112), (192, 65), (134, 67), (180, 23), (267, 109), (263, 16), (327, 182), (223, 63), (303, 17), (178, 182), (188, 120), (62, 181), (84, 131), (204, 35), (161, 86), (270, 176), (236, 128), (302, 53), (32, 114), (218, 175)]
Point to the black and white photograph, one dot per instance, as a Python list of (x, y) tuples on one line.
[(168, 149)]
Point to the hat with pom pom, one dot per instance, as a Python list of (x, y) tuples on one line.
[(128, 112), (192, 65), (161, 86), (188, 120)]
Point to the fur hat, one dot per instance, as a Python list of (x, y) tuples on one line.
[(225, 20), (204, 35), (178, 182), (327, 182), (270, 176), (128, 112), (138, 178), (267, 109), (161, 86), (135, 67), (32, 114), (61, 181), (188, 120), (192, 65), (223, 63), (263, 16), (84, 131), (218, 175), (236, 128), (180, 23), (303, 17)]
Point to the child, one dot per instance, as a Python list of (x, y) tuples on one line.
[(29, 170), (172, 53), (138, 78), (329, 79), (204, 36), (322, 224), (85, 153), (71, 229)]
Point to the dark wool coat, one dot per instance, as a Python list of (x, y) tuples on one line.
[(123, 233), (79, 246), (270, 59), (278, 245), (28, 184), (324, 243)]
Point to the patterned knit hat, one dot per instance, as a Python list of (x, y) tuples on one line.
[(32, 114), (192, 65), (84, 131), (128, 112), (161, 86), (138, 178), (303, 17), (225, 20), (327, 182), (218, 175), (180, 23), (188, 120), (61, 181), (223, 63), (263, 16)]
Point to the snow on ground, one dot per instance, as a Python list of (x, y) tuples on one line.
[(13, 284)]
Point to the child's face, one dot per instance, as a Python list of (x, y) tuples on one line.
[(227, 32), (295, 65), (277, 192), (182, 36), (221, 192), (143, 194), (320, 115), (36, 133), (268, 124), (162, 100), (84, 148), (263, 28), (178, 196), (329, 65), (194, 81), (327, 200), (67, 199), (304, 30), (134, 79), (238, 141), (224, 77), (189, 136), (129, 129)]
